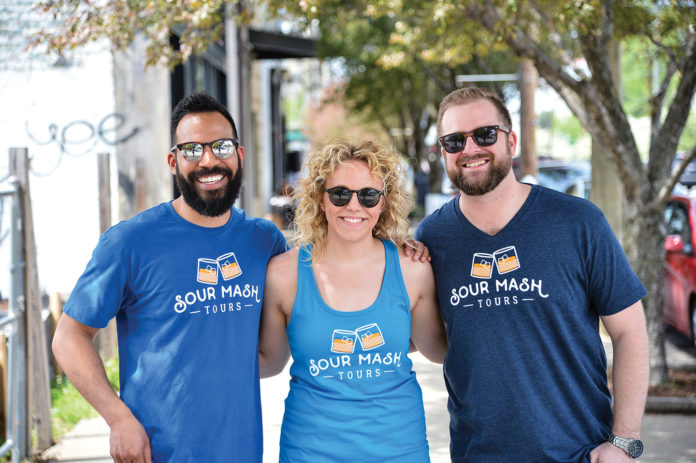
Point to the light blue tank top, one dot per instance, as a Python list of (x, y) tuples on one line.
[(353, 394)]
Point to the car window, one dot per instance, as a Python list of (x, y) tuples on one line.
[(677, 219)]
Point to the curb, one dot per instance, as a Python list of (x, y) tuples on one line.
[(685, 405)]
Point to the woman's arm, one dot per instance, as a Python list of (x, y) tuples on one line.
[(427, 329), (278, 298)]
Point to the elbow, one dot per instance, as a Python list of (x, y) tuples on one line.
[(58, 346), (271, 366)]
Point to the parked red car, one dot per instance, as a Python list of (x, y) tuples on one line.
[(680, 265)]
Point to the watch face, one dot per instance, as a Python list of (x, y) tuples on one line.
[(635, 448)]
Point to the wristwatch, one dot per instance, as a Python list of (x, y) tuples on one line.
[(632, 447)]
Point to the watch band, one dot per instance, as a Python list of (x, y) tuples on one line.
[(632, 447)]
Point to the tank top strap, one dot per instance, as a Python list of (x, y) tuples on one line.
[(305, 275), (393, 278)]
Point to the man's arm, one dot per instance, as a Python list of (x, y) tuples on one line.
[(73, 348), (630, 375)]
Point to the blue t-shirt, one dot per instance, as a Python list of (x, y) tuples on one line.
[(353, 394), (187, 301), (526, 369)]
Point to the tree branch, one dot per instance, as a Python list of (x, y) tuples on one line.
[(675, 121), (671, 182)]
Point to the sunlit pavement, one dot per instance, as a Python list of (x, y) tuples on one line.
[(668, 438), (275, 389)]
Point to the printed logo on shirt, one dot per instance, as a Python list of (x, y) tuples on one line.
[(218, 297), (369, 336), (504, 259), (351, 365), (497, 289), (225, 265)]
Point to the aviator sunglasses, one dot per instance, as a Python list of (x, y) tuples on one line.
[(222, 149), (367, 197), (482, 136)]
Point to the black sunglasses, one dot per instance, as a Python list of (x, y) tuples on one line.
[(193, 151), (367, 197), (483, 136)]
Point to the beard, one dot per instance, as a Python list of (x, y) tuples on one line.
[(210, 203), (497, 172)]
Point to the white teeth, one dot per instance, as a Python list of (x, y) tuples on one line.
[(210, 179), (480, 162), (352, 220)]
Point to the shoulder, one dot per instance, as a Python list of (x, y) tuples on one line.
[(259, 224), (136, 226), (281, 280), (282, 269), (416, 274), (441, 217), (262, 232), (556, 202)]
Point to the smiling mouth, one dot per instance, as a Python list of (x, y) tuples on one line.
[(209, 179), (476, 163), (352, 220)]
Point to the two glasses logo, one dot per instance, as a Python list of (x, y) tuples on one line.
[(226, 265), (369, 337), (504, 259)]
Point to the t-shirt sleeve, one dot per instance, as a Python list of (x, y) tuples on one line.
[(99, 292), (613, 285), (280, 245)]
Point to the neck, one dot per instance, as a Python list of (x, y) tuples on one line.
[(190, 215), (355, 251), (492, 211)]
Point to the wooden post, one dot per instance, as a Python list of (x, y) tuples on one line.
[(38, 386), (55, 305), (106, 339)]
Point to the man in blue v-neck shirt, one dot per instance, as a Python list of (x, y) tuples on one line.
[(524, 274)]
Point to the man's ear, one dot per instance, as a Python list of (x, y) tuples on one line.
[(171, 160)]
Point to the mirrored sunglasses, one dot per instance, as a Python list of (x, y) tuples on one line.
[(482, 136), (193, 151), (367, 197)]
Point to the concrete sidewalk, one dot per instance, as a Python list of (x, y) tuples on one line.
[(668, 438)]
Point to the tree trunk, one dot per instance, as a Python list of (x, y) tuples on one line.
[(644, 244)]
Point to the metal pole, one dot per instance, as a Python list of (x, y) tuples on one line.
[(462, 78), (9, 325), (17, 306)]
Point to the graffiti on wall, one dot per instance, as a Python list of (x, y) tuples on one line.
[(77, 138)]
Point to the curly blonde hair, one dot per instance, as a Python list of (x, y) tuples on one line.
[(310, 224)]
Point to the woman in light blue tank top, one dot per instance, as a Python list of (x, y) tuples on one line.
[(347, 305)]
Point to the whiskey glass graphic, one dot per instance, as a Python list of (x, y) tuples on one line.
[(370, 336), (229, 266), (343, 341), (482, 266), (207, 271), (506, 259)]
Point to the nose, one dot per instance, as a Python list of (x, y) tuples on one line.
[(470, 144), (207, 158), (354, 203)]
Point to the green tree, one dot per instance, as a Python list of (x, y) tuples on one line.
[(390, 79), (569, 43)]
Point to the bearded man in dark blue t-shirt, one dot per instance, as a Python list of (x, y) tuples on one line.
[(523, 275)]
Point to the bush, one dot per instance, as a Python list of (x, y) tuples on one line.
[(68, 407)]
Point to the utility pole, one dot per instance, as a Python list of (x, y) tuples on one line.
[(528, 84)]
